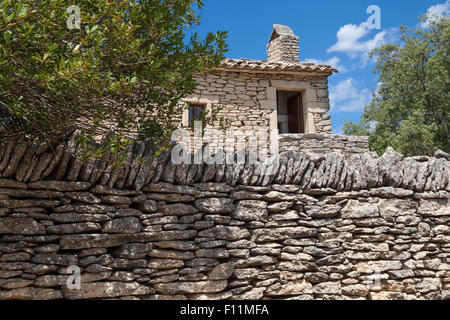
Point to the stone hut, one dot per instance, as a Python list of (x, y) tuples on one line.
[(278, 93)]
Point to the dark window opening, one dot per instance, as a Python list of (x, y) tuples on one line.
[(290, 112), (195, 113)]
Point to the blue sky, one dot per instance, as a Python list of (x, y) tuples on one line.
[(319, 24)]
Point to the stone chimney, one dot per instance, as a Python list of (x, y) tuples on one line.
[(283, 45)]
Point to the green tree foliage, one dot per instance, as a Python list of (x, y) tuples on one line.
[(127, 67), (411, 109)]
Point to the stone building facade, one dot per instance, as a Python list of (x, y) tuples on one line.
[(278, 93)]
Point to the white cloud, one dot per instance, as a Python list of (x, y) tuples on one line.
[(351, 41), (345, 96), (334, 62), (436, 11)]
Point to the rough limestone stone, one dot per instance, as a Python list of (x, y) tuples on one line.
[(178, 209), (77, 217), (147, 206), (279, 206), (123, 225), (165, 263), (222, 271), (290, 289), (5, 183), (19, 204), (74, 228), (60, 185), (107, 290), (111, 199), (30, 293), (435, 207), (357, 209), (93, 208), (25, 226), (49, 281), (386, 295), (389, 192), (171, 254), (15, 283), (225, 233), (397, 207), (163, 187), (359, 290), (54, 258), (170, 197), (218, 253), (177, 245), (17, 256), (377, 266), (14, 162), (133, 250), (328, 288), (251, 210), (263, 235), (19, 193), (104, 190), (214, 187), (83, 241), (191, 287), (215, 205), (211, 296), (324, 211)]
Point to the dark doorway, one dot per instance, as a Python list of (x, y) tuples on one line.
[(290, 112)]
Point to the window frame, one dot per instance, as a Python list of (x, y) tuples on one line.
[(191, 106)]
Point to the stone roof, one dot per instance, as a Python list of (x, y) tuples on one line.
[(279, 67)]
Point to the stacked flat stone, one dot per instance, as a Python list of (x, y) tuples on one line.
[(319, 227), (338, 170), (323, 144)]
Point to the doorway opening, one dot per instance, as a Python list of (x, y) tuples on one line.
[(291, 116)]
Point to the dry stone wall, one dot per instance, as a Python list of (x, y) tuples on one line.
[(324, 143), (319, 227)]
